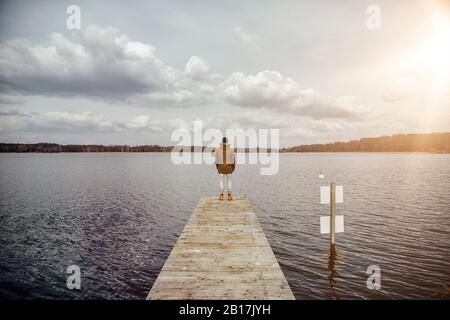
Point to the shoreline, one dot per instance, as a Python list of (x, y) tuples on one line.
[(162, 152)]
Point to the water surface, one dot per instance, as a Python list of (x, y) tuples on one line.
[(117, 216)]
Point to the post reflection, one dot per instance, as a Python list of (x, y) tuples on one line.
[(334, 258)]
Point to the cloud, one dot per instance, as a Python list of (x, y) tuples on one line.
[(344, 107), (98, 62), (55, 121), (146, 123), (196, 68), (86, 122), (6, 99), (266, 88), (249, 119), (89, 127), (89, 122), (252, 41), (104, 64), (269, 89)]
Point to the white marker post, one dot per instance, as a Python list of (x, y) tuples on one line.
[(333, 213), (334, 224)]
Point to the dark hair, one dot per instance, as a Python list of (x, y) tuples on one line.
[(224, 140)]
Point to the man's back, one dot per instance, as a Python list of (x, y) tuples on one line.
[(225, 164)]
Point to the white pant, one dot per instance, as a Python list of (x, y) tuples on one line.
[(221, 176)]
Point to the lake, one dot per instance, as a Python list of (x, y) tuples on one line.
[(118, 215)]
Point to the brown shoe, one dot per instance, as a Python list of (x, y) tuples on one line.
[(221, 197), (230, 197)]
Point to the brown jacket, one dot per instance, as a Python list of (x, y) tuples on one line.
[(225, 159)]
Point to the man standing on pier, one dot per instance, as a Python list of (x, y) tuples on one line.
[(225, 164)]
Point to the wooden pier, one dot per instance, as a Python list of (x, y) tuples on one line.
[(222, 253)]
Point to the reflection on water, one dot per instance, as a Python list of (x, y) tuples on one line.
[(332, 268), (118, 216), (332, 259)]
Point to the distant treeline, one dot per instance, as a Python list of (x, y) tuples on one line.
[(432, 142), (53, 147)]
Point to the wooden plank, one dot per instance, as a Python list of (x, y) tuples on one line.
[(222, 253)]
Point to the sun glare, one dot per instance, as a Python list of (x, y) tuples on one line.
[(433, 55), (427, 68), (436, 54)]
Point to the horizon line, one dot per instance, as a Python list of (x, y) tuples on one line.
[(203, 146)]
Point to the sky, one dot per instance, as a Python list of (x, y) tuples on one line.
[(135, 71)]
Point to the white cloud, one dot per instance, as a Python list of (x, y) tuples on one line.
[(102, 63), (271, 90), (88, 127), (266, 88), (86, 122), (247, 39), (98, 62), (146, 123), (55, 121), (196, 68), (139, 51), (250, 119)]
